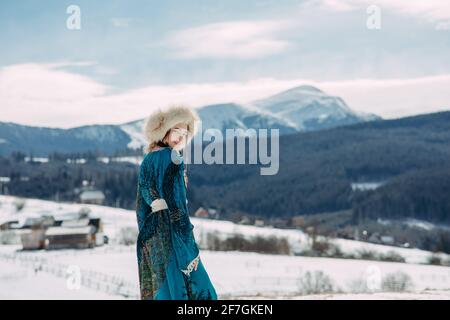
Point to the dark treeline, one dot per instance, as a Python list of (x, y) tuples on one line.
[(317, 169), (60, 180), (421, 194)]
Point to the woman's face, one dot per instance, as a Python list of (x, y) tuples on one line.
[(177, 136)]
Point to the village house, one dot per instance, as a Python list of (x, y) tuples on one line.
[(68, 230), (209, 213), (92, 197)]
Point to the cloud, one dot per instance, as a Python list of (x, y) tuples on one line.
[(42, 95), (121, 22), (232, 39), (445, 25), (433, 11), (394, 98)]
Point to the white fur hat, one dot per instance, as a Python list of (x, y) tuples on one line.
[(159, 122)]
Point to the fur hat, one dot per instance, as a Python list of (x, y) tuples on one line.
[(159, 122)]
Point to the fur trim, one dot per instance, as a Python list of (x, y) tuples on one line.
[(159, 122)]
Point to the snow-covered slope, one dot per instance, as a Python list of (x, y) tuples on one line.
[(134, 131), (112, 269), (115, 219), (235, 116), (42, 141)]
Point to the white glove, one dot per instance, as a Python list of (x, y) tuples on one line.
[(159, 204)]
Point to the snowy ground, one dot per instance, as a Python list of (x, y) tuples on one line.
[(111, 271), (114, 219), (423, 295), (19, 282)]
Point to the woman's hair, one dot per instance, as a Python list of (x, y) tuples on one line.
[(152, 146)]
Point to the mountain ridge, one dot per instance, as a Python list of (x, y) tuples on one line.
[(302, 108)]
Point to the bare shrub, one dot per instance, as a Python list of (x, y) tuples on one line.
[(9, 237), (238, 242), (359, 285), (19, 203), (315, 283), (366, 254), (397, 281), (392, 256), (435, 259), (213, 242), (127, 236)]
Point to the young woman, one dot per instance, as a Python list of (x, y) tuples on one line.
[(169, 263)]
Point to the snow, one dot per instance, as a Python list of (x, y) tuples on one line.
[(115, 219), (236, 274), (134, 160), (111, 270), (363, 186), (416, 223), (77, 161), (54, 231), (419, 224), (304, 103), (18, 282), (423, 295), (135, 132), (36, 159)]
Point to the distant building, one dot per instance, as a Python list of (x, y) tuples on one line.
[(4, 184), (8, 224), (364, 186), (387, 240), (279, 222), (92, 197), (374, 238), (213, 213), (69, 230), (201, 213), (206, 213), (70, 237), (259, 222), (298, 222), (244, 220), (33, 221), (33, 239), (79, 232)]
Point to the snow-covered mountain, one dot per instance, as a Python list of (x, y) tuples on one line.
[(303, 108), (308, 108), (234, 116), (41, 141)]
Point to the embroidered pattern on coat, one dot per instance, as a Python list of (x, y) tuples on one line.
[(192, 265)]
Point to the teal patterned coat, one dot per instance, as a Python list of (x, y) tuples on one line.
[(168, 257)]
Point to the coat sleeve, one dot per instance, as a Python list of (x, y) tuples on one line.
[(147, 183), (174, 189)]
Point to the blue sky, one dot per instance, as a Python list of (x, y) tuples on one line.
[(132, 56)]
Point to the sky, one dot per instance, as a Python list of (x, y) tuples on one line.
[(131, 57)]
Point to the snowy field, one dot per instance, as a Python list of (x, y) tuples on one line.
[(110, 271)]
